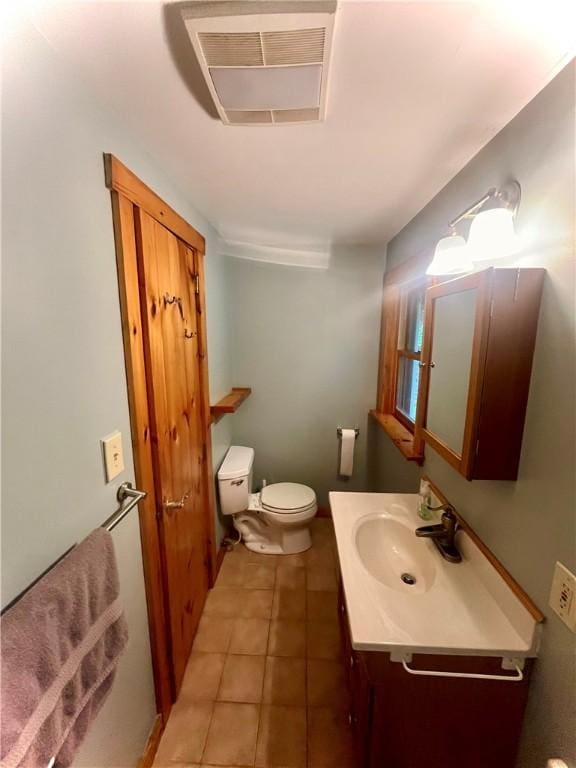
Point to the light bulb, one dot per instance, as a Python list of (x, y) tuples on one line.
[(451, 257), (492, 235)]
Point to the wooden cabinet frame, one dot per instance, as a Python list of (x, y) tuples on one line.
[(505, 325), (129, 194), (478, 281)]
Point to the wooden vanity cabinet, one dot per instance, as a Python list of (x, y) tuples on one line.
[(476, 361), (403, 721)]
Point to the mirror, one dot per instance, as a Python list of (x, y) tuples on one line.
[(453, 336)]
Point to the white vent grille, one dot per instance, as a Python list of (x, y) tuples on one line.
[(252, 49), (232, 49), (238, 116), (266, 66), (296, 115), (299, 46)]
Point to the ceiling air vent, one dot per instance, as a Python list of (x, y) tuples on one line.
[(265, 62)]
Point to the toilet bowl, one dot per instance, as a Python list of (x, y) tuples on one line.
[(274, 521)]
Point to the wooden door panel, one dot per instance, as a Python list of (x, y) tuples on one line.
[(173, 373)]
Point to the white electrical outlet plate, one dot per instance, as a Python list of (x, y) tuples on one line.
[(113, 455), (563, 595)]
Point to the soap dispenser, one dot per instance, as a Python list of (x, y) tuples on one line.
[(424, 502)]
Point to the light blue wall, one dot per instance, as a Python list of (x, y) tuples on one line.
[(531, 523), (306, 341), (63, 378)]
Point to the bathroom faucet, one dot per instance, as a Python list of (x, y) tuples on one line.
[(443, 535)]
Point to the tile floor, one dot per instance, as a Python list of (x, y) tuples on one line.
[(265, 685)]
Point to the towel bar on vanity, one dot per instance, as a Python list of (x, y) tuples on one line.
[(125, 491), (512, 664)]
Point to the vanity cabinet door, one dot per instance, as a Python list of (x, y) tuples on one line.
[(479, 336), (360, 708), (359, 689)]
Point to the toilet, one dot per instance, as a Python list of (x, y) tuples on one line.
[(274, 521)]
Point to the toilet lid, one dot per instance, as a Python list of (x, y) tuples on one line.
[(287, 496)]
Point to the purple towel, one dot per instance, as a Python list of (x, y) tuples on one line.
[(60, 645)]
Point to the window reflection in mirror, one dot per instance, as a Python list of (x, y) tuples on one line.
[(453, 335)]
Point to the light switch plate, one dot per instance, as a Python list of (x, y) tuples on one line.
[(113, 455), (563, 595)]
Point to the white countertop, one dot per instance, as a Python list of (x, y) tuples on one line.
[(467, 610)]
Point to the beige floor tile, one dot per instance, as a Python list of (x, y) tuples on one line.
[(282, 738), (250, 636), (232, 735), (248, 556), (171, 764), (258, 576), (289, 604), (285, 681), (185, 735), (329, 739), (326, 684), (322, 606), (242, 679), (290, 577), (287, 638), (213, 635), (255, 603), (225, 602), (323, 640), (323, 557), (298, 560), (202, 677), (231, 573), (322, 579)]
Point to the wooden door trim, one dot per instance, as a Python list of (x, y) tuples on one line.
[(206, 416), (123, 214), (122, 180), (129, 193)]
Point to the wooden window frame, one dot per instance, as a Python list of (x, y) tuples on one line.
[(401, 430), (401, 353)]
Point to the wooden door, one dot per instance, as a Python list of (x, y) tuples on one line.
[(167, 275)]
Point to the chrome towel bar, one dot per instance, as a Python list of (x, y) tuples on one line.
[(125, 491)]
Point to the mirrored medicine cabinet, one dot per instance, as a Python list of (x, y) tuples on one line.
[(455, 365), (476, 360)]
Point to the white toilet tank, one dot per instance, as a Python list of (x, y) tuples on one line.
[(235, 479)]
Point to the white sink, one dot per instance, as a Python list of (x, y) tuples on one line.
[(452, 608), (392, 554)]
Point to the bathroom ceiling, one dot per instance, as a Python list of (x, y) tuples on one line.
[(416, 89)]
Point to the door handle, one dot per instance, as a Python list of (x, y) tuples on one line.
[(176, 504)]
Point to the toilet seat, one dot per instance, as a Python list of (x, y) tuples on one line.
[(288, 499)]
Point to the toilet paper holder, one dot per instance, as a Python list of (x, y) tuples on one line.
[(339, 432)]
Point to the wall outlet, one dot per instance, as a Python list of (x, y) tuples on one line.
[(563, 595), (113, 455)]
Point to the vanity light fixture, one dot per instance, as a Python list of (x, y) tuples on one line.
[(491, 235), (451, 256)]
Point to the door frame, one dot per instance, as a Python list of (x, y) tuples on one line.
[(128, 192)]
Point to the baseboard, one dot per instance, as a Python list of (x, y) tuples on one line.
[(323, 512), (152, 744), (218, 563)]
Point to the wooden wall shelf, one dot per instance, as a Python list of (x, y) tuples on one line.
[(230, 403)]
